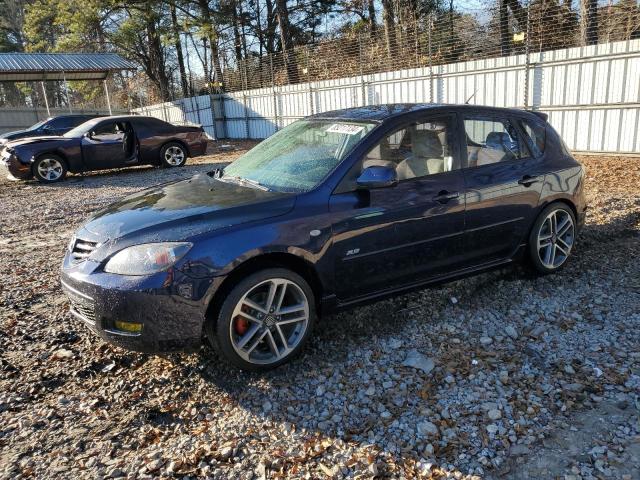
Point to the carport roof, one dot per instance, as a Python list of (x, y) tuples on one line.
[(20, 67)]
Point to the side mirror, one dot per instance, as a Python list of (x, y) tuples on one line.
[(377, 177)]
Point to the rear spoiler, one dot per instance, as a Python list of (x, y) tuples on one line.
[(543, 116)]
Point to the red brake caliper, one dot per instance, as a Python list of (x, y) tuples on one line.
[(241, 325)]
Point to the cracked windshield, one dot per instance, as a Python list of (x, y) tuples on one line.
[(298, 157)]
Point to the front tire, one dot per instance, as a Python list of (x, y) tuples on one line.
[(264, 321), (552, 238), (49, 168), (173, 154)]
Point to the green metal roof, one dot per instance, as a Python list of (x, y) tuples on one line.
[(20, 67)]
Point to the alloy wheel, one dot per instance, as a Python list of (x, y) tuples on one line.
[(555, 238), (269, 321), (174, 156), (50, 169)]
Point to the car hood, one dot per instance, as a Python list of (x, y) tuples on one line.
[(180, 210), (40, 140), (6, 136)]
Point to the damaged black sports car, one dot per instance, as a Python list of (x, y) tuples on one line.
[(103, 143)]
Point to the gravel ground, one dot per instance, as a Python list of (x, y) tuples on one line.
[(504, 375)]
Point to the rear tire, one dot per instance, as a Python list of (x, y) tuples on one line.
[(552, 238), (173, 154), (264, 321), (49, 168)]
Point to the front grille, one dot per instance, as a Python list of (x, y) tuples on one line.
[(84, 308), (81, 305), (82, 249)]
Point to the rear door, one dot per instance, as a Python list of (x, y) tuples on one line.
[(503, 181), (104, 147), (392, 237)]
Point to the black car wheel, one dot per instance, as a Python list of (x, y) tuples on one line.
[(552, 237), (49, 168), (173, 155), (264, 321)]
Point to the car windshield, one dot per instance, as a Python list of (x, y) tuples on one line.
[(81, 129), (37, 125), (298, 157)]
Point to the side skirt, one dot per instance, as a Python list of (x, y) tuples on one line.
[(332, 304)]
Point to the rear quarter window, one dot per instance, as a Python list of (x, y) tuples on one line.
[(536, 134)]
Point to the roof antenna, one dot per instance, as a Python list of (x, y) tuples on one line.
[(472, 95)]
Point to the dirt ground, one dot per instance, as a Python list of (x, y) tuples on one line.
[(533, 377)]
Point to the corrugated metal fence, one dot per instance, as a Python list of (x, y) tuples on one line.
[(20, 118), (591, 93)]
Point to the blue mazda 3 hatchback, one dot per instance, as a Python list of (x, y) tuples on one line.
[(335, 210)]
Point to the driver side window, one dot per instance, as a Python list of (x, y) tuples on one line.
[(108, 131), (414, 151), (492, 141)]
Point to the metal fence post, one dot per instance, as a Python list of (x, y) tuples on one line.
[(212, 107), (363, 85), (308, 68), (244, 100), (526, 60), (223, 112), (429, 28), (275, 95)]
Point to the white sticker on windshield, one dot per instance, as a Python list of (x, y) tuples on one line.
[(344, 129)]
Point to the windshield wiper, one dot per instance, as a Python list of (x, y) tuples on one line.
[(244, 181)]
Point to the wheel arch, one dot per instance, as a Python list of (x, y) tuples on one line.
[(56, 153), (565, 200), (260, 262), (180, 142), (545, 204)]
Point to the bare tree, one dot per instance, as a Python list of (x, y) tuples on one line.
[(589, 22), (286, 41)]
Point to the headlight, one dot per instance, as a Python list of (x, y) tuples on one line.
[(147, 258)]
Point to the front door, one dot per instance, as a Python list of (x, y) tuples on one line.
[(503, 181), (104, 147), (391, 237)]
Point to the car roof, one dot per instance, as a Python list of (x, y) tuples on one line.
[(378, 113), (73, 115), (129, 117)]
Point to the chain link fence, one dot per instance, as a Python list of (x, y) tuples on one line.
[(459, 35)]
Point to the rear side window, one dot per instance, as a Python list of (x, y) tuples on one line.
[(60, 122), (537, 136), (492, 140), (75, 121)]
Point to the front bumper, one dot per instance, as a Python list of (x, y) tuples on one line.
[(12, 168), (170, 322)]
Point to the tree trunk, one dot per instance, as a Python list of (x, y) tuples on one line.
[(519, 12), (372, 17), (237, 41), (389, 26), (243, 35), (271, 27), (178, 45), (286, 41), (505, 32), (156, 70), (213, 40), (589, 22)]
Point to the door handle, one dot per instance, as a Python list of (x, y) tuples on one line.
[(528, 180), (444, 196)]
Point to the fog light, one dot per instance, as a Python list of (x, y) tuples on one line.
[(130, 327)]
